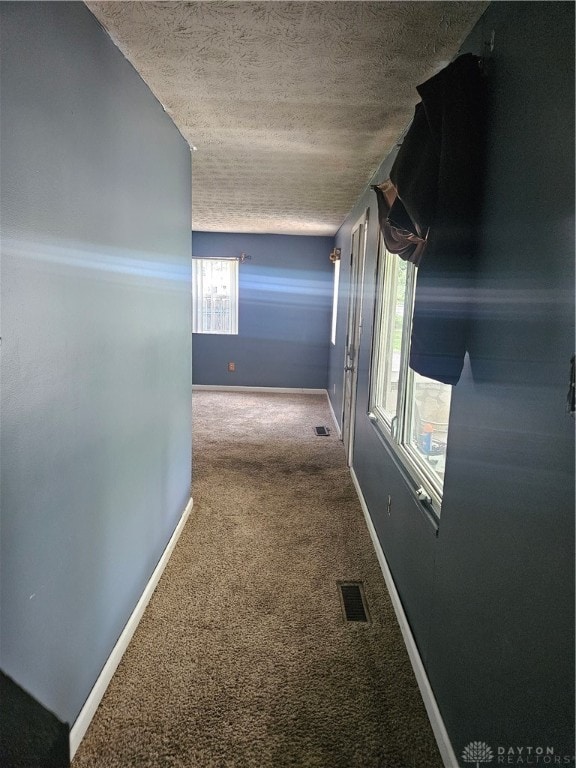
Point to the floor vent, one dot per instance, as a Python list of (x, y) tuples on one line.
[(353, 601), (324, 431)]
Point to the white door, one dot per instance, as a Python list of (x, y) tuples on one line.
[(353, 333)]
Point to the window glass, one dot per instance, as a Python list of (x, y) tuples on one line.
[(393, 304), (335, 300), (410, 411), (428, 426), (215, 296)]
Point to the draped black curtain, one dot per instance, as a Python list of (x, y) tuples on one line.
[(429, 210)]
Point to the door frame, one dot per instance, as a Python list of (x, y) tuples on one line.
[(353, 332)]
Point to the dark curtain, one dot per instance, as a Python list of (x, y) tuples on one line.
[(428, 212)]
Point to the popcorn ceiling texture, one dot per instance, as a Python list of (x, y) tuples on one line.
[(292, 105)]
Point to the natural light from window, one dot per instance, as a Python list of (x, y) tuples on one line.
[(410, 411), (335, 300), (215, 296)]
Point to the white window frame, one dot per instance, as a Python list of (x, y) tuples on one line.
[(395, 431), (202, 320)]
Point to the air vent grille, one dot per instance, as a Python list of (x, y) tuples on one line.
[(353, 601)]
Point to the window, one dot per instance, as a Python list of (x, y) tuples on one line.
[(215, 296), (410, 411), (335, 300)]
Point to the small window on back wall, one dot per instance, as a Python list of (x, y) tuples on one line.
[(215, 296)]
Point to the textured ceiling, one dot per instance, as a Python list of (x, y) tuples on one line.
[(291, 105)]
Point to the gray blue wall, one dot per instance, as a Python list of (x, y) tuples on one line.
[(489, 592), (95, 398), (96, 358), (285, 311)]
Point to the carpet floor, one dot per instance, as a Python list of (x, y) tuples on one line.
[(243, 658)]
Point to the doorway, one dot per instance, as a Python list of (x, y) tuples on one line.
[(353, 333)]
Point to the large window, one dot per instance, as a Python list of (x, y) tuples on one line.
[(410, 411), (215, 296)]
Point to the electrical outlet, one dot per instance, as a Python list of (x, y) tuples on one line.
[(231, 366)]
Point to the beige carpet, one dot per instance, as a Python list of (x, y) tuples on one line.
[(243, 659)]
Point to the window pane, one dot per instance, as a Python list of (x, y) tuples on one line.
[(410, 411), (335, 300), (215, 296), (393, 309), (429, 409), (398, 306)]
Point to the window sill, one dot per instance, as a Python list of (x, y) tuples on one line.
[(430, 511)]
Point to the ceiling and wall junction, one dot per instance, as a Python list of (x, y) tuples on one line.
[(291, 105)]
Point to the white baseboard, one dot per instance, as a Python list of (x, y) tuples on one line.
[(334, 419), (88, 710), (439, 729), (278, 390)]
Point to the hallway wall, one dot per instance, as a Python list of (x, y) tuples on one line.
[(96, 353), (285, 304), (489, 590)]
